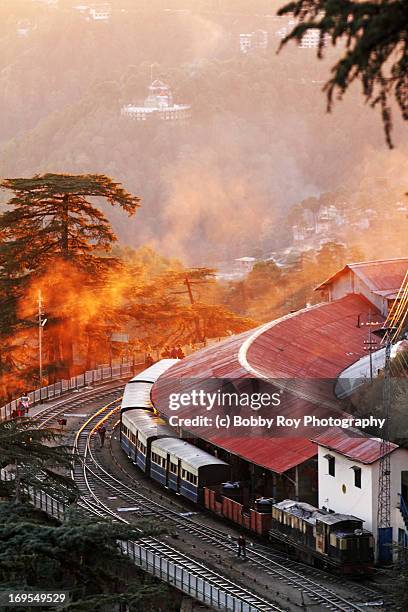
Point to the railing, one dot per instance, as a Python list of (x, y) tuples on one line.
[(38, 498), (183, 580), (64, 386)]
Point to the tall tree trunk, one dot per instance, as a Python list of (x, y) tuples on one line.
[(65, 227)]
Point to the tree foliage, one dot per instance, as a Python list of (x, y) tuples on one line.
[(37, 459), (376, 48), (52, 225), (51, 217), (38, 553)]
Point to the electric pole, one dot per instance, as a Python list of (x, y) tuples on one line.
[(370, 345), (390, 333), (192, 302), (41, 323), (384, 473), (40, 328)]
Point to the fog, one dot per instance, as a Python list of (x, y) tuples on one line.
[(216, 186)]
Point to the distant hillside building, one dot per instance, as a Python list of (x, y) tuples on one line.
[(311, 38), (95, 12), (100, 12), (158, 104), (253, 40)]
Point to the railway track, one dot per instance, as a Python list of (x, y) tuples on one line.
[(258, 555), (83, 399), (91, 476), (90, 483)]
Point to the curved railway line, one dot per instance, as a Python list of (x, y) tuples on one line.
[(92, 479), (88, 480)]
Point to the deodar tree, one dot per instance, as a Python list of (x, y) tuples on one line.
[(53, 225), (375, 33)]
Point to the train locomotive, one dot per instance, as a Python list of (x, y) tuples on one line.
[(323, 538), (316, 536)]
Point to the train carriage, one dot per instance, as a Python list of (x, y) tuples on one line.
[(184, 468), (137, 390), (139, 428)]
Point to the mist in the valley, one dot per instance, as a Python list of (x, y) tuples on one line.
[(217, 186)]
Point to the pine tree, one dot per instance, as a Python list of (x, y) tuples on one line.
[(376, 50), (52, 217), (53, 223), (38, 553), (37, 459)]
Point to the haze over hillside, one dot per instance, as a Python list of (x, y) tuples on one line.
[(215, 186)]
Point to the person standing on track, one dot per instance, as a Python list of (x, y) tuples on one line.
[(102, 434), (242, 546)]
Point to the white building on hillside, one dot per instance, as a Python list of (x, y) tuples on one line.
[(311, 39), (100, 12), (253, 40), (158, 104), (348, 471)]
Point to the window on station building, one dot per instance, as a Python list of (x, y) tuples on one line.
[(331, 463), (357, 476)]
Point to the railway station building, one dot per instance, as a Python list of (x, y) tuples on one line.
[(306, 351), (348, 469)]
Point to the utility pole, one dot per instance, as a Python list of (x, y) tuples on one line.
[(41, 323), (190, 292), (190, 295), (384, 475), (40, 328), (370, 345), (391, 331)]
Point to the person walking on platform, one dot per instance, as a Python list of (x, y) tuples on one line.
[(242, 546), (23, 405)]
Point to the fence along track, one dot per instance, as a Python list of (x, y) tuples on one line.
[(75, 383)]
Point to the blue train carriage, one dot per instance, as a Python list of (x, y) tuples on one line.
[(139, 428), (137, 389), (186, 469), (323, 538)]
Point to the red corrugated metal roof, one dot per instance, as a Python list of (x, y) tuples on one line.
[(315, 343), (358, 448), (276, 454), (380, 276)]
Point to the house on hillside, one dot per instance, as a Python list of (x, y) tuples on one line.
[(378, 281)]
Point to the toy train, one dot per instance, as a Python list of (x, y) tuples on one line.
[(174, 463), (316, 536)]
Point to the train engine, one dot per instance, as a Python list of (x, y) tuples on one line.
[(323, 538)]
